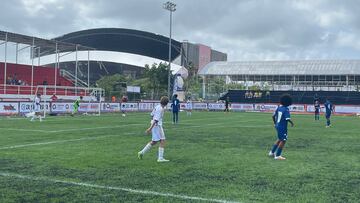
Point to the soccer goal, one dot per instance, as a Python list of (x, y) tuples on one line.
[(60, 99)]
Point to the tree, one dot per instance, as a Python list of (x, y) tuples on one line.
[(157, 79), (109, 84), (153, 82), (193, 86)]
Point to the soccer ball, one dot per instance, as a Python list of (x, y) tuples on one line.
[(123, 115)]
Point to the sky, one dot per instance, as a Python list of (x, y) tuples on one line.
[(244, 29)]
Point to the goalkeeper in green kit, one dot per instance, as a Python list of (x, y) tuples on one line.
[(76, 106)]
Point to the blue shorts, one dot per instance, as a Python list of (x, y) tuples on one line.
[(282, 135), (327, 115)]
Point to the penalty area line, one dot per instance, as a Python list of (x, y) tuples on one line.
[(137, 191)]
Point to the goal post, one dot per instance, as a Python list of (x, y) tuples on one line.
[(90, 104), (94, 103)]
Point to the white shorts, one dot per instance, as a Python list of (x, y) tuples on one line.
[(37, 108), (157, 133)]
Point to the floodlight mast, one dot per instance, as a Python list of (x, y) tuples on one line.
[(171, 7)]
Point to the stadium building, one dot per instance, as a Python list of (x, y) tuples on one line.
[(80, 58), (265, 81), (127, 51)]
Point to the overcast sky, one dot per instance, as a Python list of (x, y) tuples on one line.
[(244, 29)]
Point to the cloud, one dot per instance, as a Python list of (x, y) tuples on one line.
[(245, 29)]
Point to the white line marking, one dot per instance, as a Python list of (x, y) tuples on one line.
[(117, 126), (110, 127), (59, 141), (224, 125), (89, 185), (105, 136), (102, 127), (71, 129), (242, 126), (24, 130)]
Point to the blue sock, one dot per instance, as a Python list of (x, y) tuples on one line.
[(278, 152), (274, 148), (328, 122)]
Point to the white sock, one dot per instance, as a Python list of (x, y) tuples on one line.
[(40, 118), (146, 148), (32, 118), (161, 153)]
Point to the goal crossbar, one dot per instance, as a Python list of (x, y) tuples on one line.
[(91, 102)]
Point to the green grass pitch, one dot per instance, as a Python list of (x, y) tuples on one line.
[(214, 156)]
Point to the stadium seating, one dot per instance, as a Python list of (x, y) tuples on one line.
[(42, 75), (300, 97)]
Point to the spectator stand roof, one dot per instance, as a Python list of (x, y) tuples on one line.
[(304, 67), (125, 40), (44, 46)]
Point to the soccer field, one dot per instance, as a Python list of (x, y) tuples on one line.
[(214, 157)]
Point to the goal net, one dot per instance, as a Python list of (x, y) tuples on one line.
[(60, 99)]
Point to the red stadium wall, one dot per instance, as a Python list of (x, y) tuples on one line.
[(41, 74)]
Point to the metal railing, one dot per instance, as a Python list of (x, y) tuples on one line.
[(66, 74)]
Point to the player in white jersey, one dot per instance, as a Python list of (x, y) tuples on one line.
[(156, 130), (188, 107), (37, 110)]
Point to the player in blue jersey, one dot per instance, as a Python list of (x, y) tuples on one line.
[(329, 108), (281, 117), (175, 105), (317, 110)]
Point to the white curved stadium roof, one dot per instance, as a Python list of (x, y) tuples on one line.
[(110, 56), (305, 67)]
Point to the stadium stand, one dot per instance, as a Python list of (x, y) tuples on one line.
[(19, 77)]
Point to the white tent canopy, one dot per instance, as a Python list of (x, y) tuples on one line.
[(305, 67)]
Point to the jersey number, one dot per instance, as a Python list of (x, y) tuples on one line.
[(279, 117)]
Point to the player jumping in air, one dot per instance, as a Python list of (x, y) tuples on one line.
[(329, 108), (317, 110), (281, 117), (157, 130), (37, 109), (76, 106)]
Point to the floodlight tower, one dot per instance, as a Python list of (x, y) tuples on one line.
[(171, 7)]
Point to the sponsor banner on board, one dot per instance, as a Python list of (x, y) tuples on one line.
[(146, 106), (26, 107), (110, 107), (129, 106), (9, 108)]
